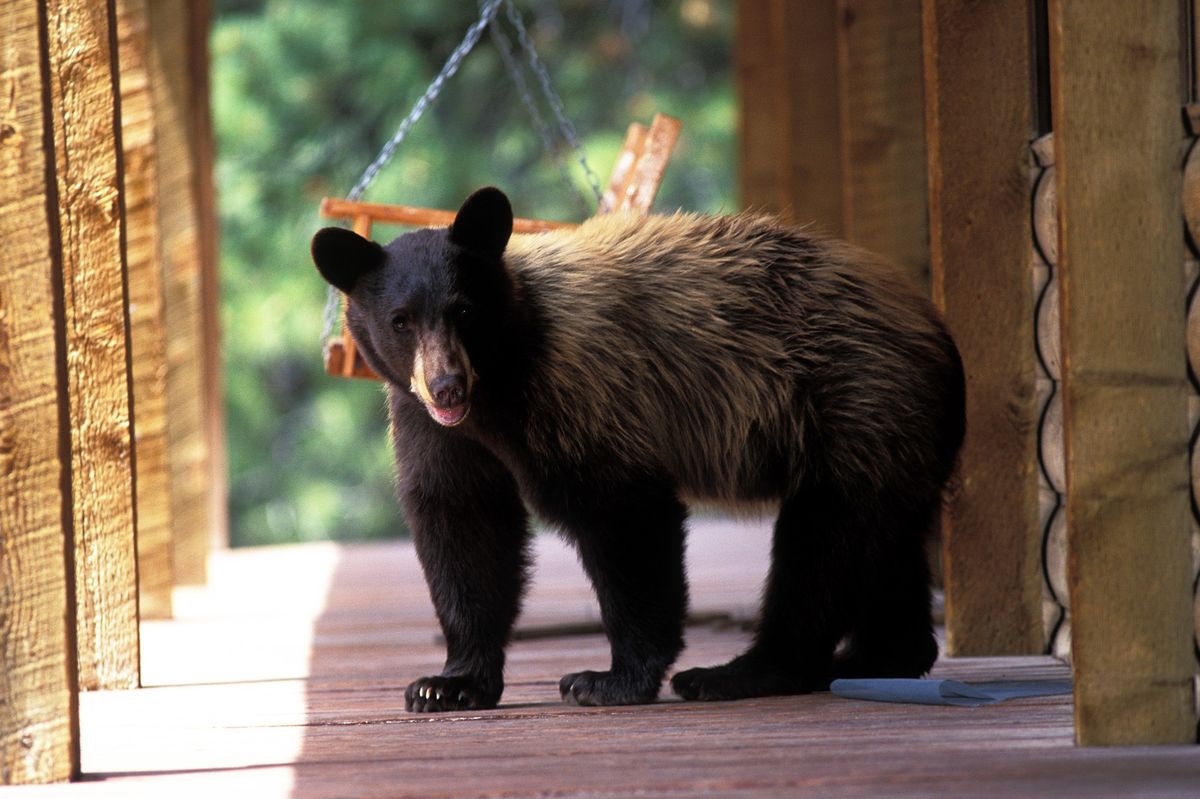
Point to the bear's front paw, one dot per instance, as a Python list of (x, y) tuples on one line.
[(441, 694), (606, 688)]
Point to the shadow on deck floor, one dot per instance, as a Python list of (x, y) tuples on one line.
[(285, 677)]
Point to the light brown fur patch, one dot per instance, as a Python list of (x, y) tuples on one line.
[(698, 343), (438, 353)]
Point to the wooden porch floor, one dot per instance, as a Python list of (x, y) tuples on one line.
[(285, 677)]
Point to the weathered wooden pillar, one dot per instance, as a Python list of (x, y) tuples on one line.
[(883, 131), (146, 315), (187, 419), (39, 725), (977, 121), (68, 608), (830, 120), (790, 143), (1115, 75), (81, 71), (204, 155)]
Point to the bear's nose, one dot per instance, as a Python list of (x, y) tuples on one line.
[(448, 391)]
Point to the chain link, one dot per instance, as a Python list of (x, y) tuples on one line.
[(487, 16), (504, 47), (556, 103), (431, 93), (333, 305)]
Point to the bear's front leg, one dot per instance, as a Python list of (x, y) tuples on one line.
[(471, 534), (631, 542)]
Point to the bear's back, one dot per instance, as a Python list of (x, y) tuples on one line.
[(706, 346)]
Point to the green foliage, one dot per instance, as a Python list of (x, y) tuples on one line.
[(305, 92)]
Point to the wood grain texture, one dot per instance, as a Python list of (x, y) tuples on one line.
[(199, 23), (622, 171), (83, 102), (803, 48), (38, 710), (147, 332), (336, 208), (1115, 83), (880, 103), (757, 112), (790, 140), (977, 122), (651, 164), (187, 418)]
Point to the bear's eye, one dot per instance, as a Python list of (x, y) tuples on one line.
[(461, 311), (400, 321)]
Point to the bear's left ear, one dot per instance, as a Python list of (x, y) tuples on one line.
[(484, 223), (342, 256)]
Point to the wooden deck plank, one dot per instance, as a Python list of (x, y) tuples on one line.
[(331, 721)]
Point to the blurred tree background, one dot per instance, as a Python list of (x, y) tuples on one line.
[(305, 92)]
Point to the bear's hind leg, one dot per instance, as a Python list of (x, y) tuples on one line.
[(631, 544), (892, 633), (806, 604)]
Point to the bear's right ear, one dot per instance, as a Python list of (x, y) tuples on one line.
[(342, 256)]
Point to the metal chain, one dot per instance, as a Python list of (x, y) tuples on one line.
[(435, 88), (486, 16), (504, 47), (333, 305), (556, 104)]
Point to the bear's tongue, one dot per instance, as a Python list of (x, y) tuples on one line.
[(449, 416)]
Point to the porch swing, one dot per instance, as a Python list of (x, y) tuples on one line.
[(631, 187)]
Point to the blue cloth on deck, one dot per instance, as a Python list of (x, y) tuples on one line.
[(946, 692)]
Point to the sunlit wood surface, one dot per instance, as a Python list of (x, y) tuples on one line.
[(285, 677)]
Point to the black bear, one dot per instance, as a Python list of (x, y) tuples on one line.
[(605, 375)]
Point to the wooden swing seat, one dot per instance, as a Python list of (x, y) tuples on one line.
[(634, 182)]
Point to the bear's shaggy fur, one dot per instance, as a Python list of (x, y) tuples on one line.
[(605, 376)]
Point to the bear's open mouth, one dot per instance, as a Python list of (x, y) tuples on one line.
[(449, 417)]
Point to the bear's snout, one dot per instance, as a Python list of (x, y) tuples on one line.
[(449, 390)]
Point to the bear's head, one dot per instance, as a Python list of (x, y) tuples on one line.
[(426, 310)]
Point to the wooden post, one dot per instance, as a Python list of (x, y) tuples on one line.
[(977, 121), (787, 81), (758, 123), (203, 152), (39, 723), (882, 131), (82, 80), (1116, 106), (830, 120), (146, 323), (187, 420)]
